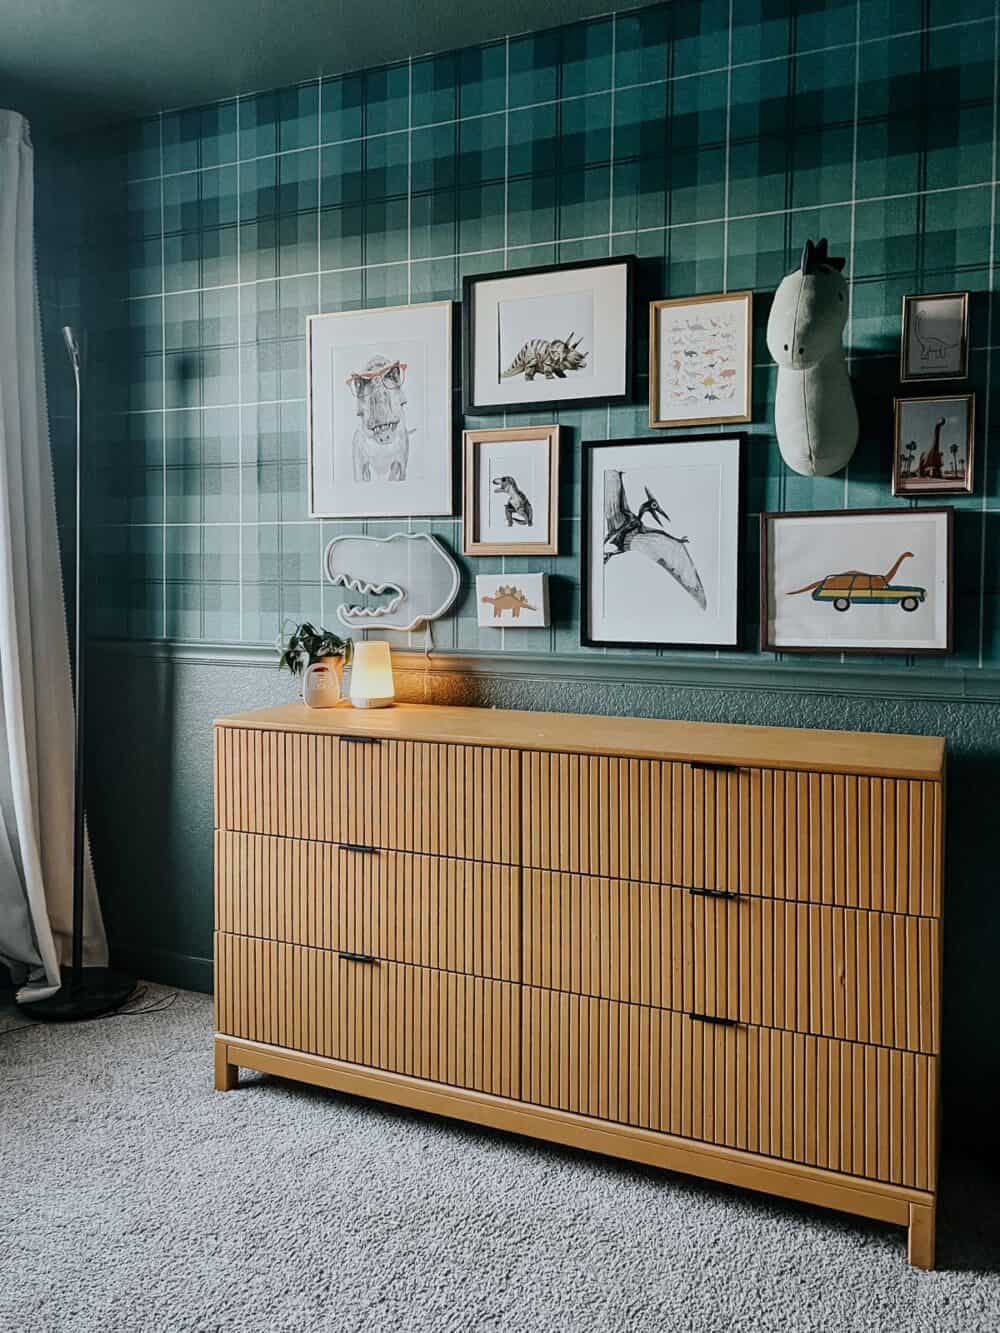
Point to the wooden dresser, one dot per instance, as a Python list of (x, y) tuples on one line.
[(714, 949)]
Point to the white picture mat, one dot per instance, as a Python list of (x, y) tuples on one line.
[(633, 600), (607, 362), (527, 461), (568, 317), (706, 340), (420, 334), (805, 549), (939, 348)]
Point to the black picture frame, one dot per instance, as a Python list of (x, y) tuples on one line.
[(472, 280), (767, 521), (588, 452)]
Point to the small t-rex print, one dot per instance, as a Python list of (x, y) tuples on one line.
[(517, 507)]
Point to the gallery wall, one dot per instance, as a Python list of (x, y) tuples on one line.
[(710, 151), (710, 140)]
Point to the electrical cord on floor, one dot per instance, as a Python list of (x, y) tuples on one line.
[(133, 1008)]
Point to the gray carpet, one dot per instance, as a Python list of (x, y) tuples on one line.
[(133, 1198)]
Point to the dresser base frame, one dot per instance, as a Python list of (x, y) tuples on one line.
[(913, 1209)]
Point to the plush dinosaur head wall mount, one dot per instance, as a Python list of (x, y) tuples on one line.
[(815, 418)]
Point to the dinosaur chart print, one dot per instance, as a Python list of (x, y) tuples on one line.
[(700, 368), (935, 337), (863, 581), (662, 537)]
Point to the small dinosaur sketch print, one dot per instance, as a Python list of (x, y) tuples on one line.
[(517, 507), (932, 348), (381, 447)]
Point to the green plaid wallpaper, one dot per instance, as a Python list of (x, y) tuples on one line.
[(708, 138)]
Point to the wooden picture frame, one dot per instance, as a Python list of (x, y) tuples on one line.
[(928, 418), (943, 351), (843, 588), (721, 531), (491, 347), (507, 443), (351, 472), (726, 370)]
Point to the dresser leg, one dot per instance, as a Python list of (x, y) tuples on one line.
[(920, 1235), (226, 1075)]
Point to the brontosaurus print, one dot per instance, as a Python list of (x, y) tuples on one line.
[(932, 348)]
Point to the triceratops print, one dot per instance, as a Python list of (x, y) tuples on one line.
[(551, 358)]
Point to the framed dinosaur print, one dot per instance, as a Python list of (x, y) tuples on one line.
[(548, 337), (700, 360), (935, 341), (512, 601), (856, 581), (380, 412), (511, 491), (661, 543), (932, 445)]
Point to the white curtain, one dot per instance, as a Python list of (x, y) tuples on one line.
[(36, 700)]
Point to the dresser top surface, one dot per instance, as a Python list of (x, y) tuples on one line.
[(870, 753)]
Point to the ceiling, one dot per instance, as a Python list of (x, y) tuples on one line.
[(73, 64)]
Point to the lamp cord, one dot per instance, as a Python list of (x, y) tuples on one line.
[(133, 1009)]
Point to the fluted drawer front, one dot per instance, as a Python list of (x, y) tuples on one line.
[(832, 971), (863, 1110), (463, 916), (450, 800), (621, 939), (812, 837), (441, 1026)]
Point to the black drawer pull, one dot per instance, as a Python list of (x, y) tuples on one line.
[(356, 847), (713, 1018), (358, 957), (710, 767), (713, 893), (361, 740)]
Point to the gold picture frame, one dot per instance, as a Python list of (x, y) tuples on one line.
[(727, 377), (917, 471), (518, 500)]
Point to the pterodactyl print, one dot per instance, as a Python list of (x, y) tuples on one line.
[(625, 531)]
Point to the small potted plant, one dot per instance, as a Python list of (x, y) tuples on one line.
[(319, 657)]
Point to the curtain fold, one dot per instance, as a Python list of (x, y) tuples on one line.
[(36, 700)]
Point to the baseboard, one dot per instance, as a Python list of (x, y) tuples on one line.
[(167, 968)]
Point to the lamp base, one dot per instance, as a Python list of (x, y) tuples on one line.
[(99, 990), (371, 703)]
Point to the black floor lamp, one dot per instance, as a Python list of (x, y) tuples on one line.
[(86, 992)]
